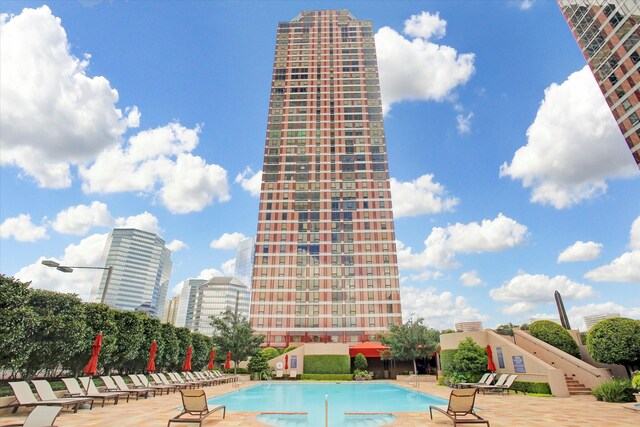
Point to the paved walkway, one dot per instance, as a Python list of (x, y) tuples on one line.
[(507, 410)]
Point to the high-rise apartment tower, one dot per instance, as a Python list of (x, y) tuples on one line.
[(141, 269), (325, 263), (608, 32)]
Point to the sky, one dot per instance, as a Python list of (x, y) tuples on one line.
[(509, 176)]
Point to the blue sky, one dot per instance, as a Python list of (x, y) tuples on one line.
[(510, 177)]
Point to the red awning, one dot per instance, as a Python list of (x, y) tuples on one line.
[(368, 349)]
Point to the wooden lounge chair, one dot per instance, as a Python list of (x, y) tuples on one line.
[(487, 379), (25, 397), (195, 408), (460, 407), (141, 380), (45, 392), (41, 416), (123, 386), (92, 391)]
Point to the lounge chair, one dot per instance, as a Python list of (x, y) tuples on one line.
[(460, 407), (191, 377), (501, 379), (226, 378), (487, 379), (160, 378), (92, 391), (178, 378), (505, 386), (293, 374), (41, 416), (45, 392), (279, 373), (141, 380), (25, 397), (123, 386), (203, 377), (195, 405), (120, 385)]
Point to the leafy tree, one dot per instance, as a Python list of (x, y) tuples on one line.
[(470, 360), (506, 329), (129, 340), (411, 341), (233, 333), (288, 349), (167, 355), (201, 349), (447, 331), (59, 332), (555, 335), (259, 365), (184, 341), (270, 352), (98, 318), (151, 330), (18, 321), (360, 362), (615, 341)]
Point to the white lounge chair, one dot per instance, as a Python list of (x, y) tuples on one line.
[(25, 397), (92, 391), (141, 380), (45, 392), (122, 386), (41, 416), (293, 374)]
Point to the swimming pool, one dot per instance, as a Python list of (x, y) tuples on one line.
[(310, 398)]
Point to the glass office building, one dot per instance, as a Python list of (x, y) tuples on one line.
[(325, 257)]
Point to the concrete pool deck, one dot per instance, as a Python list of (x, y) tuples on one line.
[(501, 410)]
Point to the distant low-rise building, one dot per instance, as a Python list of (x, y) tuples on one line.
[(171, 310), (468, 326), (589, 321)]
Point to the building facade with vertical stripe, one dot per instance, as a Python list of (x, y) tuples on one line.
[(608, 33), (325, 265)]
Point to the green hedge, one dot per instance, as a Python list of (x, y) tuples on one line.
[(531, 387), (327, 377), (446, 359), (327, 364)]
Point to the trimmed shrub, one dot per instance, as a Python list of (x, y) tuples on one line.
[(555, 335), (327, 377), (269, 353), (327, 364), (362, 375), (617, 391), (635, 381), (615, 341), (531, 387), (360, 362), (288, 349), (258, 364)]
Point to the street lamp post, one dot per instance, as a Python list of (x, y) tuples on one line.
[(69, 269)]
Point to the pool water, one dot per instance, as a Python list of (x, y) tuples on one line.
[(273, 397)]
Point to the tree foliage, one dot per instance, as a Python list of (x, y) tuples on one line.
[(411, 341), (129, 340), (259, 365), (232, 332), (270, 352), (99, 318), (360, 362), (615, 341), (555, 335), (470, 359), (201, 349)]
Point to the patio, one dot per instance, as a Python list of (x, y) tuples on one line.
[(500, 410)]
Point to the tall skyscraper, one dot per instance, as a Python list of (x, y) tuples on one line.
[(170, 313), (609, 35), (326, 264), (141, 270), (200, 299), (244, 260)]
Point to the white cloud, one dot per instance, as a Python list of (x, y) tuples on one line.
[(463, 123), (229, 267), (425, 275), (539, 288), (525, 4), (573, 146), (429, 71), (577, 313), (426, 26), (471, 279), (442, 244), (440, 311), (158, 161), (144, 221), (634, 235), (625, 268), (22, 229), (53, 115), (80, 219), (227, 241), (176, 245), (210, 273), (87, 252), (580, 251), (419, 197), (518, 307), (250, 181)]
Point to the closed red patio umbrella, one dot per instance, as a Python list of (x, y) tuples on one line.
[(151, 365), (286, 361), (186, 366), (491, 367), (92, 367), (227, 364), (212, 356)]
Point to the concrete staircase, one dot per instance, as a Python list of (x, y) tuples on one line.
[(575, 388)]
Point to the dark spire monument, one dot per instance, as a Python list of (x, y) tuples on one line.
[(564, 320)]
